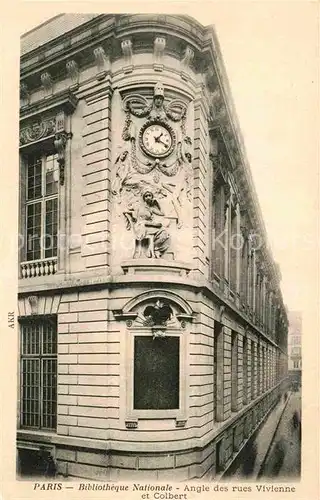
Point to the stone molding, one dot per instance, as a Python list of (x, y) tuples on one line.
[(64, 100), (57, 286), (156, 294)]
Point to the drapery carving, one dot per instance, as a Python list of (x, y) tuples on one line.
[(151, 238)]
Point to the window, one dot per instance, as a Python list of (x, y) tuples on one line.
[(259, 366), (253, 361), (233, 249), (234, 371), (244, 272), (219, 457), (264, 369), (38, 382), (42, 179), (218, 233), (296, 351), (258, 295), (245, 371), (36, 462), (218, 371), (156, 373)]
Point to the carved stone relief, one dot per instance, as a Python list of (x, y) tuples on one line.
[(47, 83), (159, 315), (37, 130), (73, 73), (54, 127), (102, 62), (152, 177)]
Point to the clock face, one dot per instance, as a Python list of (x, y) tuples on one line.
[(156, 140)]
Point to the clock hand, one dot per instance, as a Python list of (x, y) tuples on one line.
[(157, 139), (164, 143)]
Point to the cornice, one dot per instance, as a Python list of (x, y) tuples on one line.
[(228, 121), (98, 29), (201, 285), (64, 100), (69, 36), (185, 27)]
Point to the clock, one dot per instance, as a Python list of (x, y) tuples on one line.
[(157, 139)]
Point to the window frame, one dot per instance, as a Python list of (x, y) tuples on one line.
[(43, 199), (234, 359), (152, 414), (218, 228), (40, 357)]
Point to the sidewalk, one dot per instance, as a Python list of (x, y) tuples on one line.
[(261, 443), (284, 458)]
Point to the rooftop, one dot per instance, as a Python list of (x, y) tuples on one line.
[(51, 29)]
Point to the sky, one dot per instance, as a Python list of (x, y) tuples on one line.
[(270, 51)]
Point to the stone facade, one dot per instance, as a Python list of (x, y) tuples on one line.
[(295, 346), (154, 191)]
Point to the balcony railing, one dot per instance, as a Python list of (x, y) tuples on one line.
[(35, 268)]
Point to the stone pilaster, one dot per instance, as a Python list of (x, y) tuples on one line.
[(219, 371), (201, 195), (96, 157), (254, 369)]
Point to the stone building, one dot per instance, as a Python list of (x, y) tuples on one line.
[(294, 346), (153, 334)]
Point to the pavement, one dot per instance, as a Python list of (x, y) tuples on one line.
[(253, 457), (284, 457)]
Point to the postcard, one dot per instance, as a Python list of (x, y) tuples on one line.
[(159, 250)]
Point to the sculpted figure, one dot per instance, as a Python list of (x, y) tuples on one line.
[(123, 169), (181, 185), (151, 239), (126, 177), (157, 111)]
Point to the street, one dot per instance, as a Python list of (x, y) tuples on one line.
[(283, 459), (274, 452)]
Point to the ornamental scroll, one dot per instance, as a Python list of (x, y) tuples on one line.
[(37, 130), (49, 128), (159, 314), (152, 178)]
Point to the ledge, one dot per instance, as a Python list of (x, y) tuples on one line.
[(199, 284), (183, 445), (155, 267), (65, 100)]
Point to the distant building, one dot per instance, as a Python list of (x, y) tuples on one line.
[(294, 345), (152, 343)]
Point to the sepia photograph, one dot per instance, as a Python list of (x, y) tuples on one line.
[(160, 319)]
